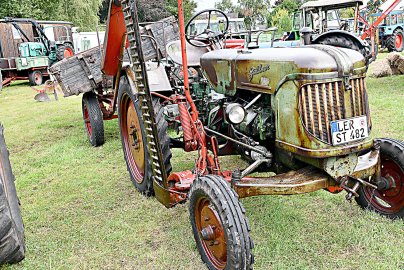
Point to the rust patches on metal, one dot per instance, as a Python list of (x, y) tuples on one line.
[(327, 151), (309, 94), (305, 180), (327, 122), (337, 93), (318, 110)]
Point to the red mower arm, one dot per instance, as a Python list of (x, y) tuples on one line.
[(115, 32)]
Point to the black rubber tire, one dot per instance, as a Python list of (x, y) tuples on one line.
[(343, 41), (33, 79), (225, 202), (60, 52), (90, 103), (146, 186), (391, 41), (393, 150), (12, 244)]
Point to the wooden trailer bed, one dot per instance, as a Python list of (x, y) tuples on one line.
[(81, 73)]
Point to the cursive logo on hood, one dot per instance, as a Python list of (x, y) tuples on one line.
[(257, 70)]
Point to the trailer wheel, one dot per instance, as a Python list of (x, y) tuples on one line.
[(133, 138), (35, 77), (395, 42), (387, 201), (64, 51), (12, 244), (220, 229), (93, 120)]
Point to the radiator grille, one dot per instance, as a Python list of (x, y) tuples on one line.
[(322, 103)]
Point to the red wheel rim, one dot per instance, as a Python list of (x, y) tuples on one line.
[(211, 232), (87, 120), (68, 52), (399, 41), (388, 201), (132, 138), (38, 78)]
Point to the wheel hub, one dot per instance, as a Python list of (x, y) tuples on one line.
[(212, 233), (133, 133), (399, 41), (389, 197), (87, 120), (132, 139)]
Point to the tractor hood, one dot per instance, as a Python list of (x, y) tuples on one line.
[(261, 70)]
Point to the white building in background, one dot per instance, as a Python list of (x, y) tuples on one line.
[(86, 40)]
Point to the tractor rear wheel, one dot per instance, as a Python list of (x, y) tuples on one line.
[(220, 229), (133, 138), (343, 41), (395, 42), (93, 119), (64, 51), (387, 201), (12, 244), (35, 77)]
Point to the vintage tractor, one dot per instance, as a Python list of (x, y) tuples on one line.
[(323, 18), (12, 244), (300, 112), (35, 54), (391, 35)]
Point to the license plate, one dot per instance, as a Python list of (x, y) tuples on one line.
[(349, 130)]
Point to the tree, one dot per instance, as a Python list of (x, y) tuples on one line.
[(254, 11), (189, 7), (83, 13), (227, 6), (289, 6), (281, 19)]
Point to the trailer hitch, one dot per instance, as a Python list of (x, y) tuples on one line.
[(353, 190)]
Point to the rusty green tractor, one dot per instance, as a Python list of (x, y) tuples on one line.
[(302, 113)]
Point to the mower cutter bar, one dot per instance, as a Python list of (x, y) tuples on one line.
[(140, 75)]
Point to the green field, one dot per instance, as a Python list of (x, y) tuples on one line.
[(82, 212)]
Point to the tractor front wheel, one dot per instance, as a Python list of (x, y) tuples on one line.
[(134, 141), (220, 229), (93, 119), (35, 77), (395, 42), (12, 245), (389, 199)]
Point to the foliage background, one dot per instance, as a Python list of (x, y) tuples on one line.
[(86, 14)]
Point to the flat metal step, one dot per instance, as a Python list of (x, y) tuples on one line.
[(305, 180)]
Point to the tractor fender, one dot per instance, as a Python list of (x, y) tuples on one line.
[(343, 33)]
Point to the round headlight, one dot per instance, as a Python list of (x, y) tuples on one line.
[(235, 113)]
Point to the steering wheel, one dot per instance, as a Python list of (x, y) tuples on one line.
[(208, 36)]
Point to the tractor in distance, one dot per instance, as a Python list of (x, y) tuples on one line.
[(391, 35), (28, 47), (300, 112), (324, 20)]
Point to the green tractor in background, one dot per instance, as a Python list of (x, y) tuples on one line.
[(35, 54), (322, 19)]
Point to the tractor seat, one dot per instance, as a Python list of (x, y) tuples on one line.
[(194, 54)]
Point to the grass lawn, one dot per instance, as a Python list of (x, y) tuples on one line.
[(82, 212)]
